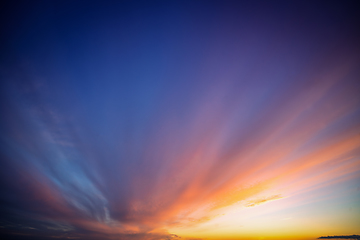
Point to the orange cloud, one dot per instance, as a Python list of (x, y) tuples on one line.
[(253, 203)]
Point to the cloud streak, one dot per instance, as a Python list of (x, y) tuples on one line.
[(255, 202)]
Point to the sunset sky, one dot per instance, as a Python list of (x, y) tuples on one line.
[(191, 120)]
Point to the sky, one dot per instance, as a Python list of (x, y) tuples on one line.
[(192, 120)]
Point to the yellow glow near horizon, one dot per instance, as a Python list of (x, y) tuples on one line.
[(272, 220)]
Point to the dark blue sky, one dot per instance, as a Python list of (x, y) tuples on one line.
[(128, 119)]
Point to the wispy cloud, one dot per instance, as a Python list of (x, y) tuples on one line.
[(259, 201)]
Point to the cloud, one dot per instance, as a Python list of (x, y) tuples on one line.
[(259, 201), (182, 174)]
